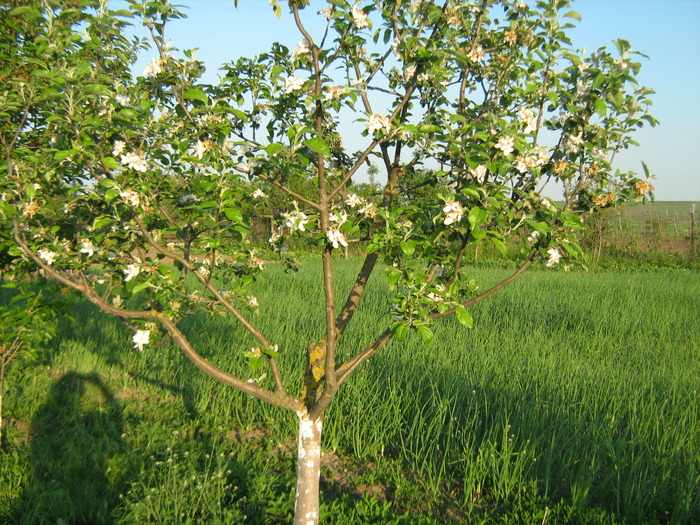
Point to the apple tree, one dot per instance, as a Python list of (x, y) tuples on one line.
[(122, 185)]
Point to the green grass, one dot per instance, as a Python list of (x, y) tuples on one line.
[(576, 397)]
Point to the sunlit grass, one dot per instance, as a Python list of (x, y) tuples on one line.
[(576, 395)]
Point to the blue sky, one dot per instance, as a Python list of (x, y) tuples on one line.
[(665, 30)]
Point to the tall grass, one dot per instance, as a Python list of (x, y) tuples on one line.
[(575, 396)]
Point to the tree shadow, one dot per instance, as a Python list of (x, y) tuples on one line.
[(75, 448)]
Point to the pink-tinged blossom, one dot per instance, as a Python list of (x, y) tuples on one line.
[(336, 238), (378, 122), (453, 212), (359, 17), (554, 256), (141, 338), (130, 197), (293, 83)]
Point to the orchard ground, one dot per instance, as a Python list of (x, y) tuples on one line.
[(580, 405)]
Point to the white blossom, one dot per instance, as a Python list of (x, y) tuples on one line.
[(253, 301), (476, 54), (336, 238), (87, 248), (301, 49), (353, 200), (574, 143), (154, 68), (368, 210), (453, 212), (293, 83), (47, 256), (131, 271), (141, 338), (119, 146), (479, 173), (122, 99), (505, 144), (295, 220), (200, 149), (135, 161), (527, 116), (532, 238), (554, 256), (259, 194)]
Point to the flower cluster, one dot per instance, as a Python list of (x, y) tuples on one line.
[(527, 116), (293, 83), (554, 256), (604, 199), (536, 158), (135, 161), (295, 220), (155, 67), (453, 212), (141, 338), (378, 122), (476, 54), (359, 17), (131, 197), (478, 173), (643, 187), (506, 145)]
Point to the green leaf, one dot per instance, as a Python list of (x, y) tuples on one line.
[(318, 145), (140, 286), (233, 214), (273, 148), (408, 247), (426, 334), (477, 217), (464, 317), (400, 330), (500, 245), (196, 94), (111, 163), (601, 107), (60, 155), (572, 14)]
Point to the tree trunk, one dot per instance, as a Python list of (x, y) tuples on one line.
[(308, 470)]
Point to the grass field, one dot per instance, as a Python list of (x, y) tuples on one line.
[(576, 399)]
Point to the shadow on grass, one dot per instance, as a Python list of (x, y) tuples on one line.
[(75, 435)]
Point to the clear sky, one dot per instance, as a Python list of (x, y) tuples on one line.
[(668, 31)]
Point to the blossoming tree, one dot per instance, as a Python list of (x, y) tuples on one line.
[(114, 185)]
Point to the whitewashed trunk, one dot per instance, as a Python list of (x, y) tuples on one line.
[(308, 471)]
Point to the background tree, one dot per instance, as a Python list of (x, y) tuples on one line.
[(116, 184)]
